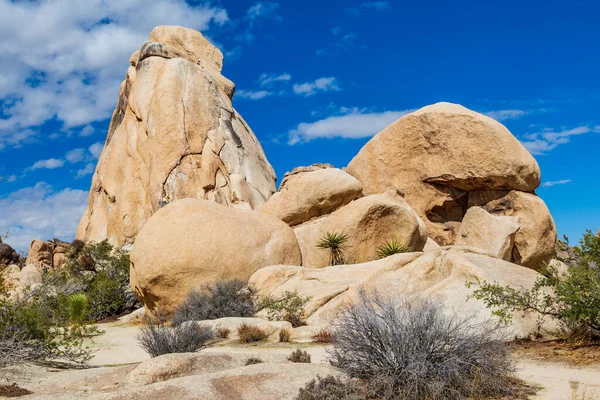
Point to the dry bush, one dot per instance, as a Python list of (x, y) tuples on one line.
[(284, 335), (231, 298), (299, 356), (332, 388), (251, 333), (253, 360), (323, 336), (412, 350), (156, 338), (223, 333), (13, 391)]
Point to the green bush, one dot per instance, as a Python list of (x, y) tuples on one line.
[(78, 305), (335, 243), (299, 356), (390, 248), (571, 297), (231, 298), (288, 307)]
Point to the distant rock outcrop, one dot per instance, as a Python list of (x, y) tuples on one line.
[(443, 155), (174, 134)]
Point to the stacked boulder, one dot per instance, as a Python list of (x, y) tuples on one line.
[(47, 255), (174, 134)]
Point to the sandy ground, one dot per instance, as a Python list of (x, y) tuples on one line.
[(118, 346)]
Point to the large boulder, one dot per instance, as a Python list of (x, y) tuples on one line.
[(437, 155), (439, 274), (191, 242), (311, 194), (41, 254), (535, 241), (174, 134), (368, 222), (492, 234), (8, 255)]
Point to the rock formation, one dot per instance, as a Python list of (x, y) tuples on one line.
[(8, 255), (46, 255), (192, 242), (174, 134), (439, 156)]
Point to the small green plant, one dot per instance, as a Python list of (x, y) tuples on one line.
[(390, 248), (288, 307), (336, 244), (250, 333), (253, 360), (299, 356), (78, 304), (284, 335)]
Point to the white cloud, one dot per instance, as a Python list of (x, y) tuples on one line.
[(50, 163), (542, 142), (87, 170), (65, 61), (504, 115), (87, 130), (96, 149), (554, 183), (75, 155), (368, 5), (319, 85), (266, 80), (262, 9), (252, 94), (39, 212), (353, 125), (11, 178)]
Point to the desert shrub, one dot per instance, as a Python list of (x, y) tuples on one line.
[(231, 298), (253, 360), (332, 388), (390, 248), (323, 336), (299, 356), (157, 338), (287, 307), (284, 335), (335, 243), (223, 333), (99, 270), (412, 350), (13, 391), (251, 333), (572, 297), (78, 304)]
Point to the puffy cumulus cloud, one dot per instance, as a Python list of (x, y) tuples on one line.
[(96, 149), (39, 212), (319, 85), (75, 155), (354, 124), (554, 183), (87, 170), (51, 163), (65, 59), (540, 143)]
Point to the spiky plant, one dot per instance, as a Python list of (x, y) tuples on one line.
[(336, 244), (390, 248)]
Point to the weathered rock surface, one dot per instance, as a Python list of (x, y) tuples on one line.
[(311, 194), (369, 222), (493, 234), (8, 255), (535, 241), (437, 155), (191, 242), (41, 254), (293, 174), (437, 274), (174, 134)]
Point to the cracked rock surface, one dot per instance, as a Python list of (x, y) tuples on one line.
[(174, 134)]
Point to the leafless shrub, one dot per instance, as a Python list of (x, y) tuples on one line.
[(223, 333), (412, 350), (156, 338), (251, 333), (13, 391), (332, 388), (323, 336), (284, 335), (299, 356)]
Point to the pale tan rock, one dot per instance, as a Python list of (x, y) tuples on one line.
[(493, 234), (312, 194), (369, 222), (174, 134), (191, 242), (40, 254), (430, 245), (29, 277), (59, 260), (439, 153), (437, 274), (291, 175), (535, 240)]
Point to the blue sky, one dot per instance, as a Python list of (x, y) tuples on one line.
[(315, 79)]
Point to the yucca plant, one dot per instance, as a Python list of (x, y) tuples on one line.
[(78, 306), (390, 248), (336, 244)]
